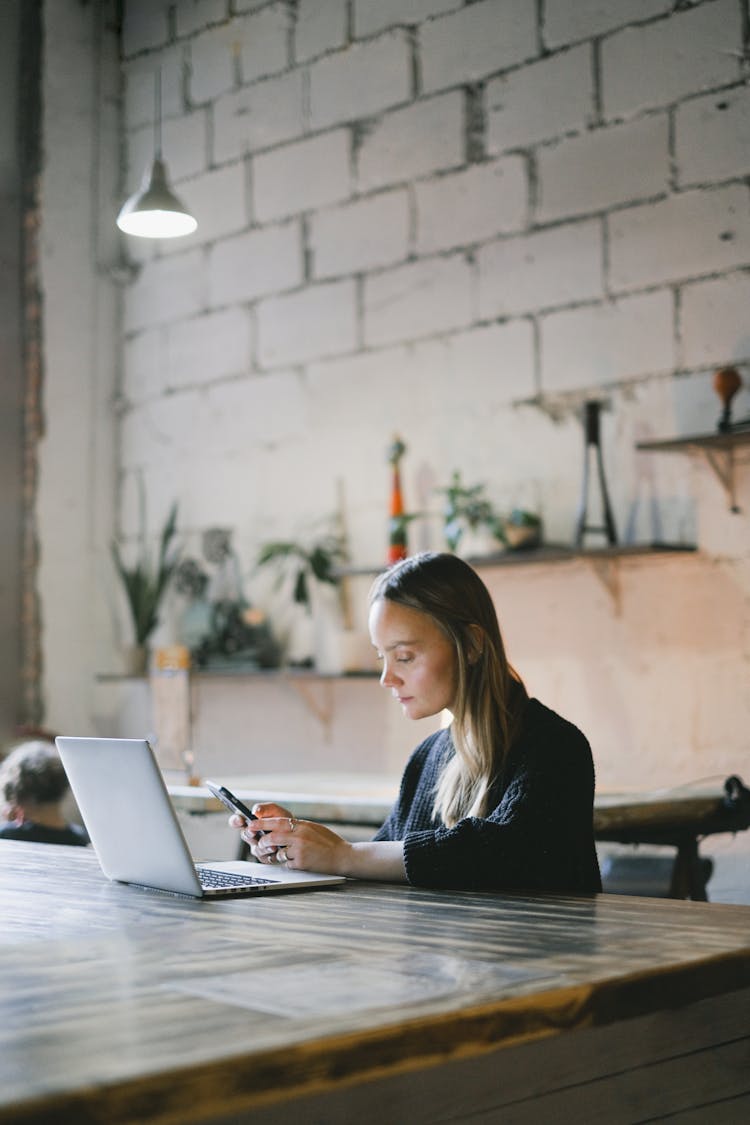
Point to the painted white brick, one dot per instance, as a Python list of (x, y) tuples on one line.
[(422, 138), (265, 42), (361, 235), (212, 62), (658, 64), (714, 321), (249, 5), (417, 300), (685, 236), (218, 201), (541, 270), (145, 25), (140, 87), (371, 16), (565, 21), (712, 137), (302, 176), (144, 364), (321, 26), (185, 144), (317, 322), (374, 76), (229, 416), (195, 15), (590, 347), (541, 101), (207, 348), (344, 392), (166, 289), (476, 41), (467, 374), (604, 168), (258, 116), (482, 368), (255, 264), (472, 205)]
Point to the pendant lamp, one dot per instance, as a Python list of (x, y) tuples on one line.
[(155, 211)]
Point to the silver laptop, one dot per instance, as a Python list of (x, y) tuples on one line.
[(134, 829)]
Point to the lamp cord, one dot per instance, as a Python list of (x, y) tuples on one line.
[(157, 113)]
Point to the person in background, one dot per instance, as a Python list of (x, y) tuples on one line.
[(33, 784), (502, 800)]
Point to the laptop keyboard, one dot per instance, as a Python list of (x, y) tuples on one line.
[(219, 880)]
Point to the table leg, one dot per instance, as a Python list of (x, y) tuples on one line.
[(690, 873)]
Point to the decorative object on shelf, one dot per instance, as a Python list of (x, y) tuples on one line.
[(311, 571), (469, 519), (191, 582), (229, 633), (145, 585), (522, 530), (592, 449), (398, 519), (727, 381), (169, 684)]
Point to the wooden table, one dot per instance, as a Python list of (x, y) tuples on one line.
[(678, 818), (362, 1003)]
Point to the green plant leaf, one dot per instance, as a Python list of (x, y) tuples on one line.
[(144, 588)]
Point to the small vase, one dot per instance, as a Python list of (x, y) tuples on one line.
[(477, 542), (135, 660)]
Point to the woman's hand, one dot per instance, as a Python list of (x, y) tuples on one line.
[(279, 837)]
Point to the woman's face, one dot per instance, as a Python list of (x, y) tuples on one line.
[(419, 661)]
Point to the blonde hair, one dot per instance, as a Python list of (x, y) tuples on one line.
[(490, 695)]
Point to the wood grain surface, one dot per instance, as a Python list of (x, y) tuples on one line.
[(121, 1005)]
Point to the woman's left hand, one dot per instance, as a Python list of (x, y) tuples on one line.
[(300, 845)]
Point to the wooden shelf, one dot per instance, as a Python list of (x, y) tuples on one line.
[(604, 561), (717, 448), (549, 553), (699, 441), (297, 674)]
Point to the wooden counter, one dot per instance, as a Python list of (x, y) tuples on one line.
[(678, 817), (364, 1002)]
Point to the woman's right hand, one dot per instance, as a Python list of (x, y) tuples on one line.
[(254, 840)]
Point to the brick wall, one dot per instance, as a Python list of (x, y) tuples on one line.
[(458, 221), (567, 180)]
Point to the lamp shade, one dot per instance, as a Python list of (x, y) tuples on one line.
[(155, 211)]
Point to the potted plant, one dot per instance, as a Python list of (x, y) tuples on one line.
[(469, 518), (145, 583), (310, 571)]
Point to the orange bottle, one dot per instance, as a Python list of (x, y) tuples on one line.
[(397, 544)]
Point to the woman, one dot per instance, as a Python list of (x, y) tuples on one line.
[(502, 800)]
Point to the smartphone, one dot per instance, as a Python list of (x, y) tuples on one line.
[(233, 803)]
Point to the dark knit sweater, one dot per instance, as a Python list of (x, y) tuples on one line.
[(538, 835)]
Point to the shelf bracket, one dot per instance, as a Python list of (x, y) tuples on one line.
[(607, 570), (320, 703), (722, 463)]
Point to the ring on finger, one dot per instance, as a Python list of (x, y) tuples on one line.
[(292, 823)]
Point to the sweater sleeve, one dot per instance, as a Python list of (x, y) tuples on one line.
[(538, 837)]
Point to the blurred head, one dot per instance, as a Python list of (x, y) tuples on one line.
[(32, 774)]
